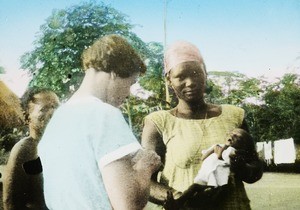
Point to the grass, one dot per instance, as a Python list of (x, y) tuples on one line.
[(275, 191)]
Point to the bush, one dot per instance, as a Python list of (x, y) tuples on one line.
[(8, 138)]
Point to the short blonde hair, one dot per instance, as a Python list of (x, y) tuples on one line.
[(112, 53)]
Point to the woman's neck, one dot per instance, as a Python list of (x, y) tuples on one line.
[(35, 134), (191, 110), (94, 84)]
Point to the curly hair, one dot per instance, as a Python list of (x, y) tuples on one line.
[(112, 53)]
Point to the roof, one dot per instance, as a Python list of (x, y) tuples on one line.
[(11, 114)]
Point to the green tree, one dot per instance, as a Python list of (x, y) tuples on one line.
[(55, 61), (213, 93), (136, 108), (232, 87), (280, 117), (154, 79), (235, 88)]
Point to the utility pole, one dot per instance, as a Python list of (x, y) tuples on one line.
[(168, 100)]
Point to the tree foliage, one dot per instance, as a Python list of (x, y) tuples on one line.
[(231, 87), (274, 109), (55, 61), (153, 79), (279, 118), (135, 108)]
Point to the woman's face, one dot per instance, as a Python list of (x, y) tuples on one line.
[(121, 89), (188, 81)]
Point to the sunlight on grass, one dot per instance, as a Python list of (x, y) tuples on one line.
[(275, 191)]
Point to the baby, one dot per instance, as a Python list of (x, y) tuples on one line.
[(213, 175)]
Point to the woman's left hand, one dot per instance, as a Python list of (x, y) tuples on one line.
[(237, 160), (170, 203)]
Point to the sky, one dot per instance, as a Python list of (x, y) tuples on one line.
[(253, 37)]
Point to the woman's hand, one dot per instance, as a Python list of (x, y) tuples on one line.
[(237, 161), (248, 170), (171, 203)]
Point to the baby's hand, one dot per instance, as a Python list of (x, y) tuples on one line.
[(218, 150)]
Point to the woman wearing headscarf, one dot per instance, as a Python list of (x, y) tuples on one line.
[(180, 134)]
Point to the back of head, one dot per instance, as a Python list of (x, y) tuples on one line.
[(246, 140), (112, 53)]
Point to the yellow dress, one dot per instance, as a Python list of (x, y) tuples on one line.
[(186, 138)]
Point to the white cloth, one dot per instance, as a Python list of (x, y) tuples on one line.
[(260, 149), (284, 151), (81, 138), (268, 150), (215, 172), (259, 146)]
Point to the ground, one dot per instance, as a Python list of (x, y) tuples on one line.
[(275, 191)]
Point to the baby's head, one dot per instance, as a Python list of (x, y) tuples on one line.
[(240, 139)]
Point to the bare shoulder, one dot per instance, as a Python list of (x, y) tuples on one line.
[(23, 150)]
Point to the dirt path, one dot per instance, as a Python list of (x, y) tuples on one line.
[(275, 191)]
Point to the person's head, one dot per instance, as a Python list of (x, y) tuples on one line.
[(241, 140), (185, 71), (38, 106), (113, 55)]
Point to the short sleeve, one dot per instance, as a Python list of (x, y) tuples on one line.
[(234, 114), (241, 115), (114, 139), (158, 119)]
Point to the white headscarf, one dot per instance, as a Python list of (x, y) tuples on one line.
[(179, 52)]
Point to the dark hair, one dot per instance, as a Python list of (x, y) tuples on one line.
[(112, 53), (245, 140), (248, 145), (28, 97)]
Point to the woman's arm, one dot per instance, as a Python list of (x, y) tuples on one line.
[(253, 172), (248, 170), (127, 180), (152, 140)]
